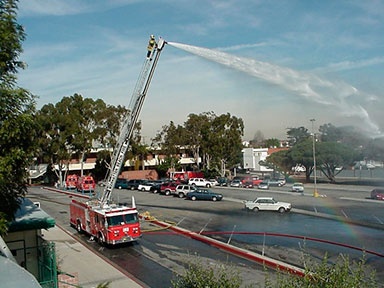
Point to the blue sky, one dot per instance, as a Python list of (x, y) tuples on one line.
[(275, 64)]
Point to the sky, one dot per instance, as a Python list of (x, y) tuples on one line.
[(275, 64)]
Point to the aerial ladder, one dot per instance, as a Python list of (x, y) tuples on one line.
[(127, 128), (108, 222)]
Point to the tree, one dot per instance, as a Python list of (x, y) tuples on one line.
[(17, 108), (279, 161), (216, 138), (375, 149), (71, 127), (271, 143), (296, 135), (332, 155), (302, 153)]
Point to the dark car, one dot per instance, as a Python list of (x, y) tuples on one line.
[(156, 187), (377, 193), (121, 183), (223, 181), (133, 184), (276, 182), (204, 194)]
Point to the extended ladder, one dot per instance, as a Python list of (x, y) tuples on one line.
[(127, 128)]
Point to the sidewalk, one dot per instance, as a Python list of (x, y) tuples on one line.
[(89, 269)]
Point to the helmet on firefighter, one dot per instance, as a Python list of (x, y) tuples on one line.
[(152, 36)]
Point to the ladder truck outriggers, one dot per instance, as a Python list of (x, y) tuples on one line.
[(103, 220)]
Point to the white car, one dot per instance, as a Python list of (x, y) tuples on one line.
[(298, 187), (267, 204), (201, 182), (145, 186)]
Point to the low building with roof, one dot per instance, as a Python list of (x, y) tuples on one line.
[(26, 253)]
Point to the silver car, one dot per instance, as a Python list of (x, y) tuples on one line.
[(298, 187), (182, 190)]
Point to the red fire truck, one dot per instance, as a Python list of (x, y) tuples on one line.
[(71, 181), (184, 176), (113, 223), (109, 225), (86, 184)]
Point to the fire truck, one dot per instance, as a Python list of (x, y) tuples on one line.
[(86, 184), (71, 181), (107, 222)]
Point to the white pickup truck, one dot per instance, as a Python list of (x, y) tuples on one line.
[(201, 182)]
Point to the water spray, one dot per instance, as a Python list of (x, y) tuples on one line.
[(307, 85)]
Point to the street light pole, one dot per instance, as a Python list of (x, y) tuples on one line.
[(315, 194)]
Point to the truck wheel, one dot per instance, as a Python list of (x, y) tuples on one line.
[(101, 239), (193, 198), (181, 195), (208, 185), (78, 227), (281, 210), (255, 209), (214, 198), (167, 192)]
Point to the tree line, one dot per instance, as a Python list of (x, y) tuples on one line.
[(335, 149)]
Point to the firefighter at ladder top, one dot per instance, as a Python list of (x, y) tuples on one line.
[(151, 45)]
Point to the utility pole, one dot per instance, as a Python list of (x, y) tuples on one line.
[(315, 193)]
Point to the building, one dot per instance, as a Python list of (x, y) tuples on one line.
[(29, 255), (253, 156)]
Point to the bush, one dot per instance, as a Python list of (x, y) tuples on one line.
[(203, 276), (341, 274)]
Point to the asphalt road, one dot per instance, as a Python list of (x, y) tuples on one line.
[(165, 254)]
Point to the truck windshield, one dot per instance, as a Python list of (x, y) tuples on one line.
[(122, 219)]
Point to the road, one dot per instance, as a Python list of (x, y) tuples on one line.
[(165, 253)]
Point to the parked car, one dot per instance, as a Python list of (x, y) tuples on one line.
[(276, 182), (254, 180), (133, 184), (201, 182), (182, 190), (236, 183), (156, 188), (247, 184), (377, 193), (121, 183), (168, 187), (267, 204), (298, 187), (204, 194), (263, 185), (145, 186), (223, 181)]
